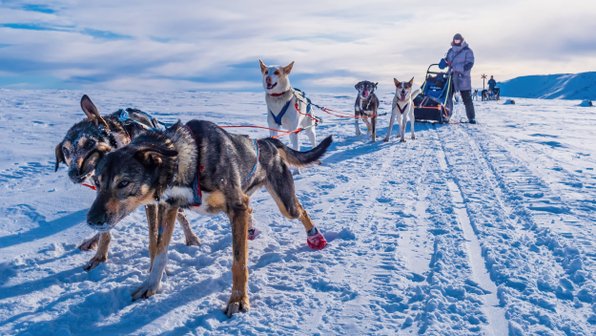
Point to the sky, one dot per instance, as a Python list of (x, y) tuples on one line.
[(215, 45)]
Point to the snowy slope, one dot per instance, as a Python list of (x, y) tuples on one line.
[(468, 230), (559, 86)]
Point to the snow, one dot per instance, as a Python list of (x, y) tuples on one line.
[(558, 86), (467, 230)]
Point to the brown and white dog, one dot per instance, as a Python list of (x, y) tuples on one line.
[(366, 106), (87, 142), (286, 108), (201, 167), (402, 108)]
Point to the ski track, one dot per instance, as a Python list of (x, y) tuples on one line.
[(454, 233)]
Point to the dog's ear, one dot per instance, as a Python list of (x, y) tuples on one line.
[(397, 83), (411, 81), (92, 113), (358, 86), (288, 68), (263, 66), (59, 156), (153, 156), (377, 83), (89, 108)]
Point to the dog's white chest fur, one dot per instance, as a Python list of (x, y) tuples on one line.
[(185, 195)]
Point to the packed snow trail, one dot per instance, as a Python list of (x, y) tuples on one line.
[(467, 230)]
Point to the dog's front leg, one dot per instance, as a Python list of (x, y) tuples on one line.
[(356, 117), (151, 211), (191, 237), (101, 255), (391, 121), (412, 122), (238, 213), (373, 121), (294, 141), (167, 219), (402, 127), (368, 126), (89, 244)]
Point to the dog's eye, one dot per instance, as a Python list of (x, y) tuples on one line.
[(276, 72), (90, 144), (123, 184), (266, 72)]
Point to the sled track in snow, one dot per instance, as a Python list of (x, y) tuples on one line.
[(515, 247)]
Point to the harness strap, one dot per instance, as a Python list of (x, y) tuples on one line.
[(124, 116), (277, 118), (400, 109), (254, 168), (197, 194)]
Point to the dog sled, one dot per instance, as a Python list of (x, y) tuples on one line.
[(430, 104)]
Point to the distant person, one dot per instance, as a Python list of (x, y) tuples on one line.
[(460, 59), (492, 84)]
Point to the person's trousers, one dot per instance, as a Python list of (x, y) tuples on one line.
[(466, 96)]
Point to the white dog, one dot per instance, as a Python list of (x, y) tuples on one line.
[(402, 108), (286, 107)]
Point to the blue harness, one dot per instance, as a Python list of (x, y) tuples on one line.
[(124, 116), (277, 118)]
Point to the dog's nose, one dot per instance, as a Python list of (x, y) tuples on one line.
[(268, 80), (96, 219)]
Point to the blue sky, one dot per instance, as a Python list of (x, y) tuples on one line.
[(214, 45)]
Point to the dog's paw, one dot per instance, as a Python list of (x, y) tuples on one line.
[(89, 244), (386, 140), (192, 240), (147, 289), (402, 140), (253, 233), (413, 137), (316, 241), (95, 261), (237, 306)]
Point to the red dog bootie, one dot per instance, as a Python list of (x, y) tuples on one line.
[(315, 239), (253, 233)]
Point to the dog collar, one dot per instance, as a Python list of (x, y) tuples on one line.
[(278, 94)]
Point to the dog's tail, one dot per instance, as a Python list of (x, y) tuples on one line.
[(301, 159)]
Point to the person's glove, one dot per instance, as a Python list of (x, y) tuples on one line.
[(443, 64), (468, 66)]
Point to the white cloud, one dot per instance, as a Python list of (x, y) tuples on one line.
[(190, 44)]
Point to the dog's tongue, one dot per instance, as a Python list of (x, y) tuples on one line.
[(365, 93)]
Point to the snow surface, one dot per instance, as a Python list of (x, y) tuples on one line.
[(559, 86), (467, 230)]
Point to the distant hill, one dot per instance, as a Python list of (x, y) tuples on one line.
[(561, 86)]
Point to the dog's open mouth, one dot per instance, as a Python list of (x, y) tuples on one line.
[(271, 86)]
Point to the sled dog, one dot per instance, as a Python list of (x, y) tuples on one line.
[(402, 108), (202, 167), (287, 108), (87, 142), (366, 106)]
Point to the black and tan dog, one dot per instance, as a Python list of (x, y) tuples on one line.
[(366, 106), (202, 167), (87, 141)]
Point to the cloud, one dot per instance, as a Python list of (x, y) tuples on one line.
[(190, 45)]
